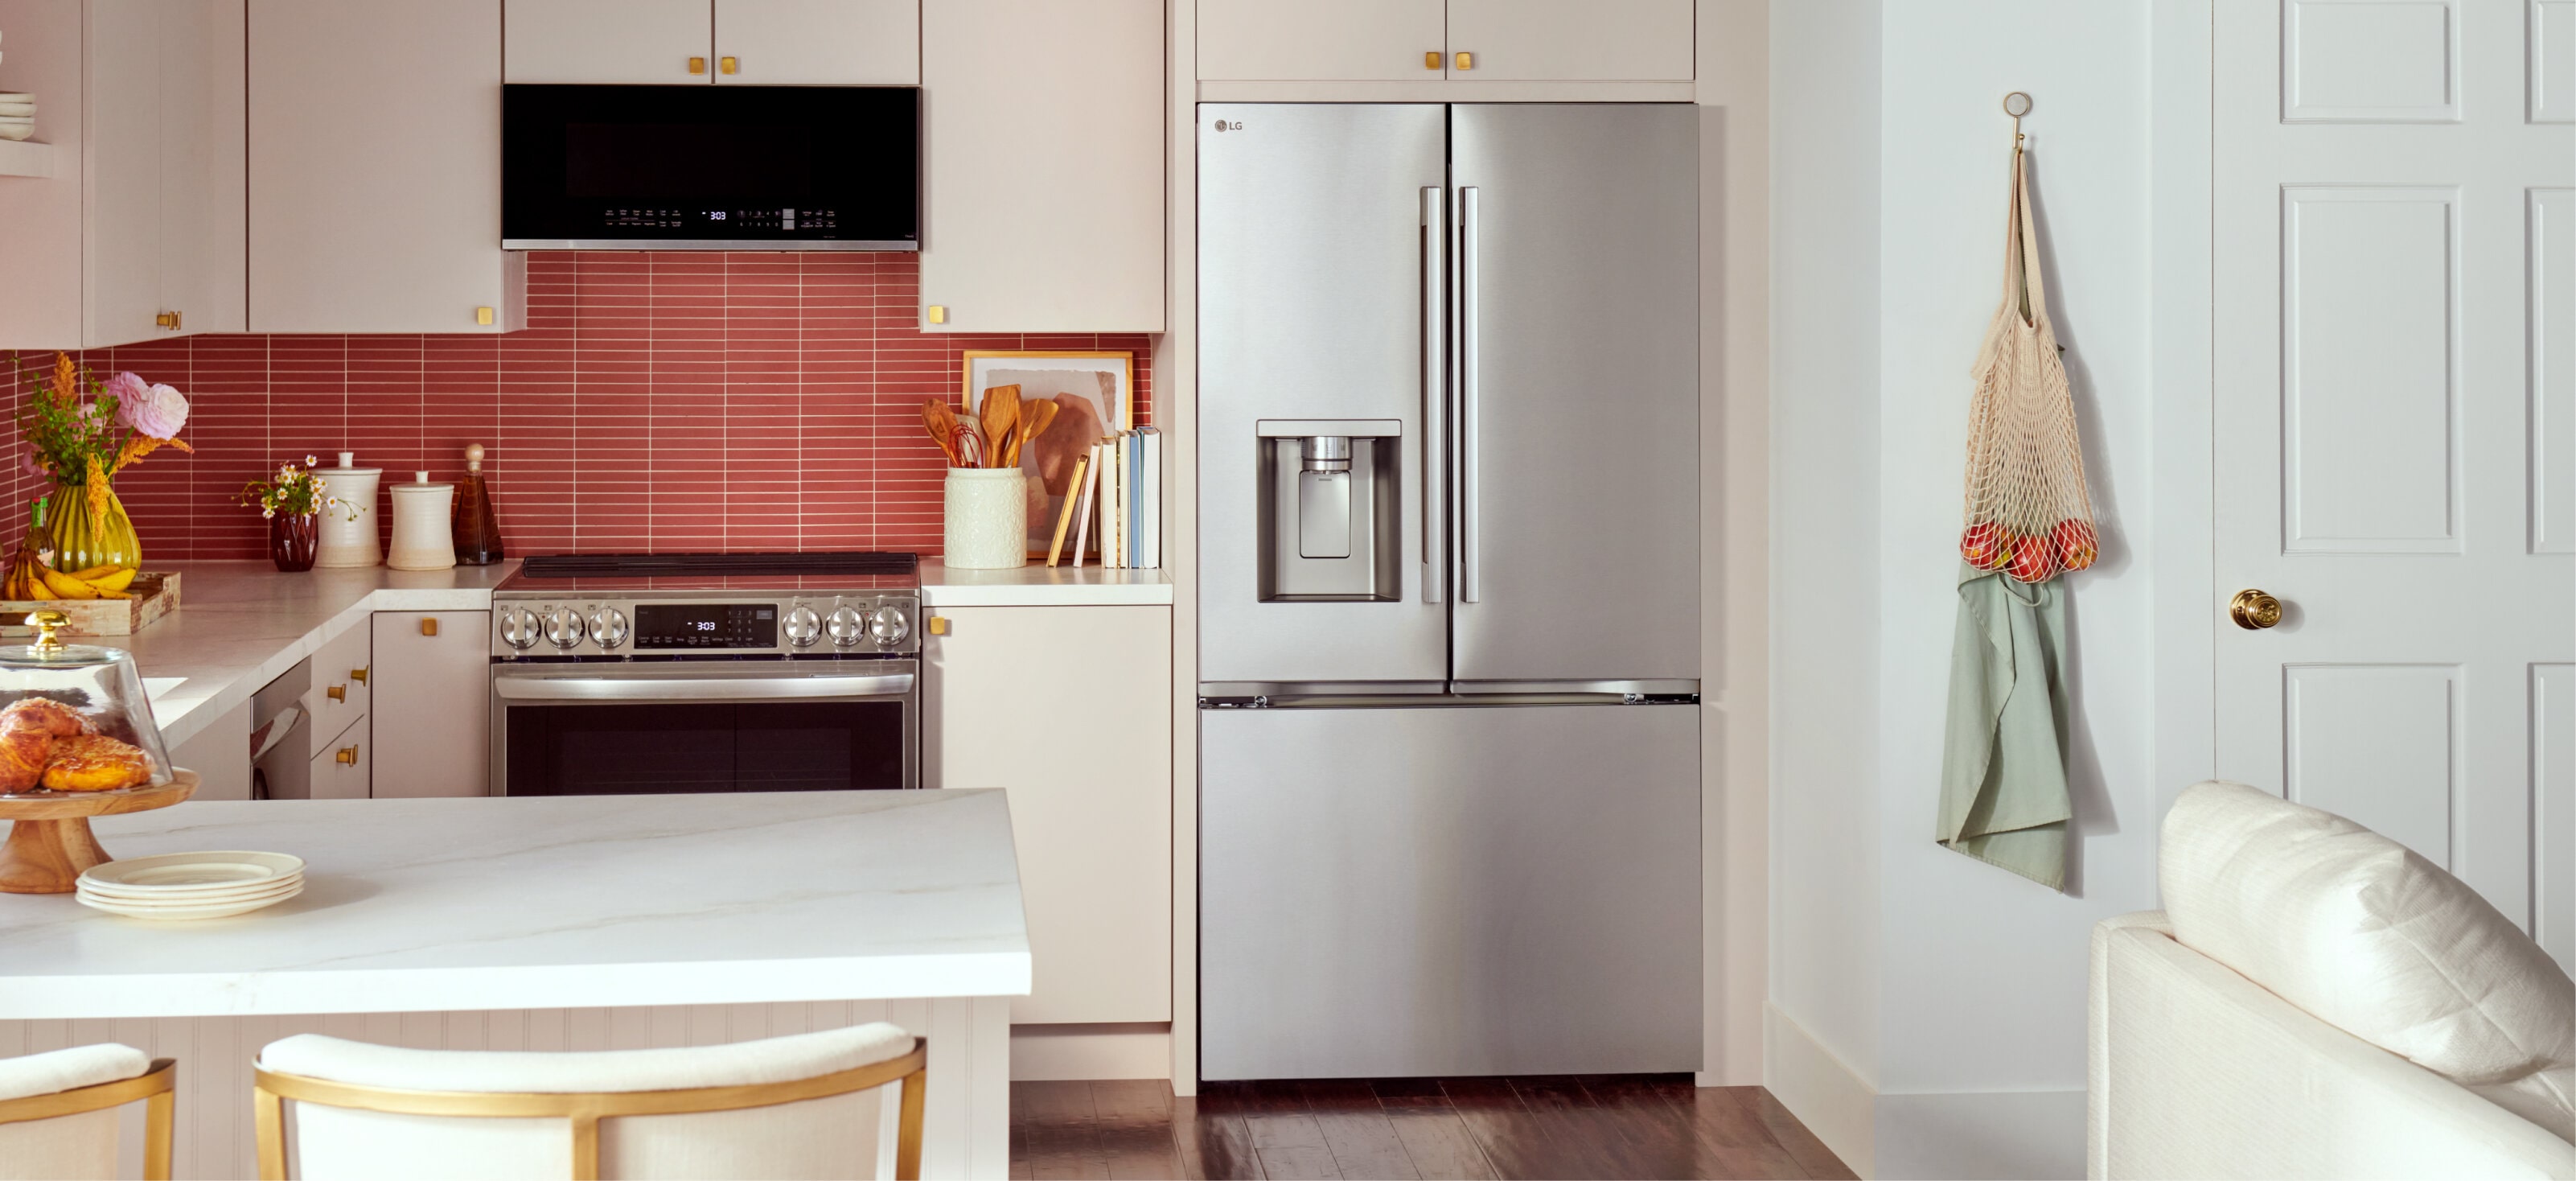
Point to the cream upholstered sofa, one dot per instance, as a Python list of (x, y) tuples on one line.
[(2197, 1070)]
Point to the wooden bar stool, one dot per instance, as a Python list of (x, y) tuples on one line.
[(800, 1106), (58, 1117)]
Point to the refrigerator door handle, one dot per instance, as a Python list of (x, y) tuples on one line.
[(1466, 370), (1435, 394)]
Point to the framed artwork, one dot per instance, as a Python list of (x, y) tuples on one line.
[(1094, 396)]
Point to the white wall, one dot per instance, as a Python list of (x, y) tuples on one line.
[(1976, 1046)]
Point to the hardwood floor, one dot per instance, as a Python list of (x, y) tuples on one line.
[(1646, 1126)]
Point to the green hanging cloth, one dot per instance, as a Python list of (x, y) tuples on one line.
[(2003, 769)]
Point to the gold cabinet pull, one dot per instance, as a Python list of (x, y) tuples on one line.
[(939, 313), (1431, 59), (939, 625), (728, 65), (1466, 61), (347, 755), (359, 675), (169, 320), (2254, 610), (429, 625), (483, 316), (337, 692), (697, 65)]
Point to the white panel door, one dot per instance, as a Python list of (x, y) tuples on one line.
[(634, 42), (1043, 179), (203, 155), (375, 169), (818, 42), (430, 693), (2394, 286), (1068, 709), (1321, 40), (1572, 40), (122, 171)]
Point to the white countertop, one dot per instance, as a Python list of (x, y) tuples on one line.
[(1040, 585), (507, 903), (241, 624)]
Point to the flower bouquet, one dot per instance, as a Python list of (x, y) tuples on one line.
[(80, 432), (293, 501)]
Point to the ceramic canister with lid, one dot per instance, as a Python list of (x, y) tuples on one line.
[(349, 540), (421, 537)]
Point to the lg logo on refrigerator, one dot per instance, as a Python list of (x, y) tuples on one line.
[(1224, 125)]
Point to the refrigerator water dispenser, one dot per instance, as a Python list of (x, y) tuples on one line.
[(1328, 496)]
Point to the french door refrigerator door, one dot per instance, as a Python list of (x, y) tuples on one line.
[(1320, 289), (1577, 387), (1449, 890)]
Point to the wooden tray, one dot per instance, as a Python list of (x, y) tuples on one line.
[(154, 596), (49, 838)]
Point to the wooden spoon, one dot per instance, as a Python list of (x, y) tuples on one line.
[(1035, 417), (941, 422), (1001, 413)]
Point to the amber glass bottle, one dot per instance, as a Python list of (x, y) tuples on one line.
[(477, 532)]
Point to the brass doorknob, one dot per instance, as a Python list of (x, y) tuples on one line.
[(2254, 610), (347, 755)]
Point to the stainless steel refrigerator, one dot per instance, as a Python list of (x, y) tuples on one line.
[(1450, 589)]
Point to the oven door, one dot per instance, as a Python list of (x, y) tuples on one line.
[(704, 726)]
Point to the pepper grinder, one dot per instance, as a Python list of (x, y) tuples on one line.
[(477, 532), (421, 538)]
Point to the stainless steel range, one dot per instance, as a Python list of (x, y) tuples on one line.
[(617, 674)]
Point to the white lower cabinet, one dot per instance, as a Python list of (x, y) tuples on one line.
[(430, 688), (339, 770), (1069, 710)]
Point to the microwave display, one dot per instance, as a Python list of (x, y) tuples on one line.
[(710, 167)]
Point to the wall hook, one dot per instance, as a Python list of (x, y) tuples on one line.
[(2024, 108)]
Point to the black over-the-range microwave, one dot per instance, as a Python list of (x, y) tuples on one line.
[(710, 167)]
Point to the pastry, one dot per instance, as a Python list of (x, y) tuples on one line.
[(96, 762), (28, 730)]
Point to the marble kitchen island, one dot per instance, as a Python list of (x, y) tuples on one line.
[(575, 923)]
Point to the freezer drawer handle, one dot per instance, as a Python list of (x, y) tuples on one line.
[(1254, 702)]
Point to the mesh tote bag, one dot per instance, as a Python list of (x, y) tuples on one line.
[(2027, 511)]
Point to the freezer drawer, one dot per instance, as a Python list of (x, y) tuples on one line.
[(1449, 890)]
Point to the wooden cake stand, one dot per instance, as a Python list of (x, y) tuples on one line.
[(49, 838)]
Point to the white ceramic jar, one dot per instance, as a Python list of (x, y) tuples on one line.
[(346, 540), (988, 519), (422, 537)]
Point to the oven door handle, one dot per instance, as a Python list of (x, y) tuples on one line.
[(541, 688)]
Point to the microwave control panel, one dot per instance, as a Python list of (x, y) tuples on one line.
[(722, 223)]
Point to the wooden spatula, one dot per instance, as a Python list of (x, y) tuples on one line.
[(1001, 413), (941, 422), (1035, 417)]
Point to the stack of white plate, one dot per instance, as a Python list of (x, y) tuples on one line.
[(17, 114), (192, 885)]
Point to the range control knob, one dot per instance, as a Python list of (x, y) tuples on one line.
[(847, 626), (803, 626), (563, 627), (608, 626), (519, 627), (888, 626)]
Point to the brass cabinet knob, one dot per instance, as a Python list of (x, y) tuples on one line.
[(728, 65), (1466, 61), (697, 65), (1431, 59), (347, 755), (429, 625), (337, 692), (169, 320), (939, 313), (2254, 610), (939, 625), (359, 675)]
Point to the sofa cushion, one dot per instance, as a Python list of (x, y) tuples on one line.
[(2375, 940)]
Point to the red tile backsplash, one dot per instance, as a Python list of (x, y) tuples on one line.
[(657, 401)]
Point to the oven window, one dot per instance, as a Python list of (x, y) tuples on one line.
[(636, 749)]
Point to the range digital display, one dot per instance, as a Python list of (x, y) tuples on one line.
[(671, 626)]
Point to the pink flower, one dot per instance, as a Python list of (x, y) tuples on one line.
[(28, 463), (128, 389), (157, 411)]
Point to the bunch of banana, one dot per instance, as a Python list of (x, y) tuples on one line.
[(30, 578)]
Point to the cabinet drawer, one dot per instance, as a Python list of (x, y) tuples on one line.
[(342, 685), (340, 770)]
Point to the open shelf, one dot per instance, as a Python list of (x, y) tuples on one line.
[(26, 158)]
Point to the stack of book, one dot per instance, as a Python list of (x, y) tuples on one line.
[(1115, 509)]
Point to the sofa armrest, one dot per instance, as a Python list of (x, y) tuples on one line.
[(2195, 1071)]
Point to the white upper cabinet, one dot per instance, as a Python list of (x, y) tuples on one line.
[(608, 41), (137, 233), (1043, 182), (375, 169), (1571, 40), (818, 42), (1431, 40), (1321, 40), (743, 42)]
